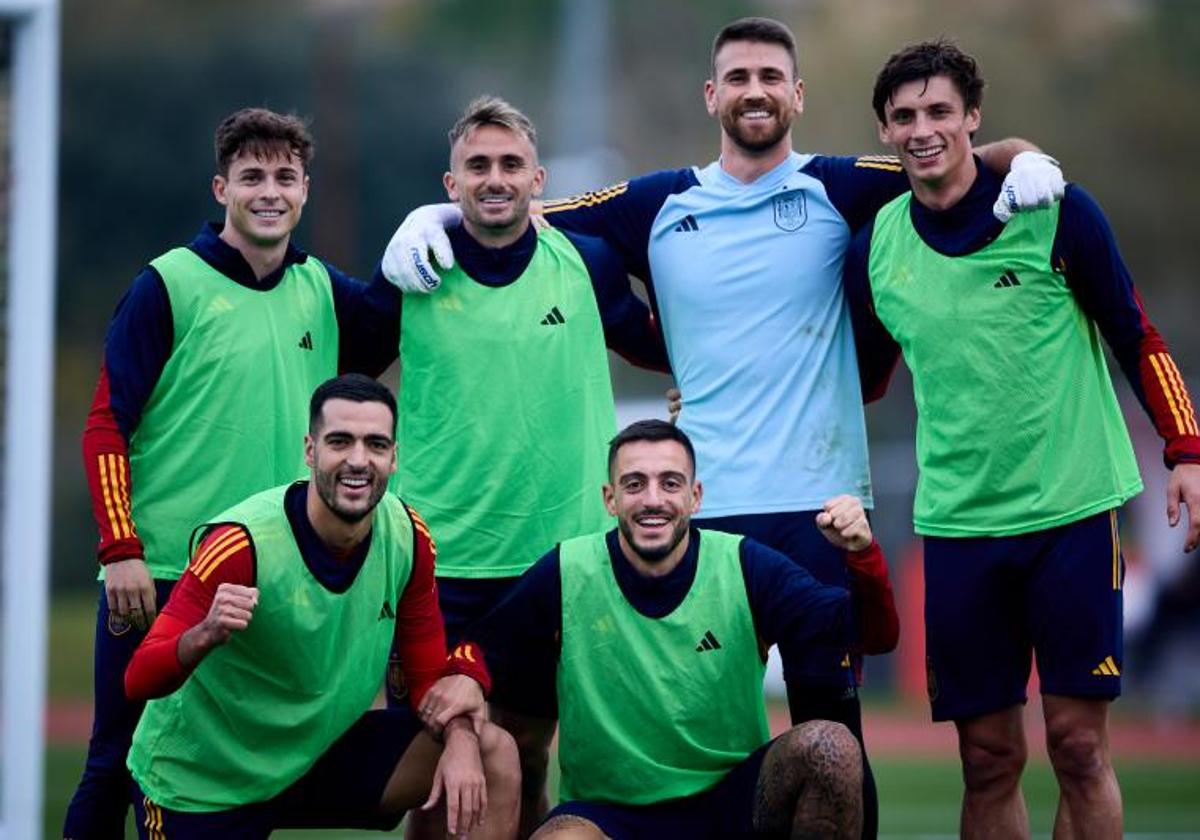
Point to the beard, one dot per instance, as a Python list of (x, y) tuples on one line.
[(327, 484), (759, 141), (654, 553)]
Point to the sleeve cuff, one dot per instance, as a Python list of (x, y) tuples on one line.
[(1182, 450)]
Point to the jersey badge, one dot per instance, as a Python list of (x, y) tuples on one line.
[(1107, 668), (306, 341), (1007, 279), (791, 210), (386, 612), (118, 626)]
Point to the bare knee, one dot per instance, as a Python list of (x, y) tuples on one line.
[(823, 748), (1078, 753), (991, 762), (498, 752)]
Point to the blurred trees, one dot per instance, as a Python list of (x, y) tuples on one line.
[(1104, 85)]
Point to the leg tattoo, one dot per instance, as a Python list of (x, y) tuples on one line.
[(810, 784)]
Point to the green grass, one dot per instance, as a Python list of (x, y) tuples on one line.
[(917, 797), (923, 797)]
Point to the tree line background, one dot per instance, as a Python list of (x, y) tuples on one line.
[(1104, 85)]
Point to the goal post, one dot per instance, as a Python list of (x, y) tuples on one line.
[(29, 196)]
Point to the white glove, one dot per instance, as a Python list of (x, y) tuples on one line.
[(1034, 180), (406, 262)]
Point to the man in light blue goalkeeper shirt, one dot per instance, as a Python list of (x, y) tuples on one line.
[(742, 260)]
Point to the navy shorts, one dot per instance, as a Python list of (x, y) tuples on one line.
[(991, 602), (529, 685), (724, 811), (342, 790), (795, 534)]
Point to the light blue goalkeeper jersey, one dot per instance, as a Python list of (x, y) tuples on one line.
[(746, 279)]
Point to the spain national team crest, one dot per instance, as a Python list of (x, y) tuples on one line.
[(791, 210), (118, 626)]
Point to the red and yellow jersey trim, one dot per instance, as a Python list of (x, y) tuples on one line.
[(587, 199), (216, 548)]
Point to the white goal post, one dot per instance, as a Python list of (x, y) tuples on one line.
[(28, 408)]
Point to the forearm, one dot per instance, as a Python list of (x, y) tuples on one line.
[(998, 155), (155, 669), (874, 603), (1087, 255), (106, 465), (368, 316)]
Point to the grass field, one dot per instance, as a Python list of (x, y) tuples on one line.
[(918, 797)]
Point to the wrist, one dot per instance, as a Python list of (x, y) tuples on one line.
[(459, 727), (118, 551), (858, 557)]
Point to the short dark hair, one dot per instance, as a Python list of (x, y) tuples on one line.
[(924, 61), (759, 30), (650, 430), (263, 133), (349, 386)]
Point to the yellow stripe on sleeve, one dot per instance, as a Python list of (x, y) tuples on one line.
[(588, 199), (870, 164), (1116, 550), (220, 558), (1185, 401), (117, 467), (106, 490), (211, 549), (1167, 392)]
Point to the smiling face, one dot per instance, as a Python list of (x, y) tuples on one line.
[(352, 454), (755, 95), (493, 175), (263, 198), (653, 495), (927, 123)]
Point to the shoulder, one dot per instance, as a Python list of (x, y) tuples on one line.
[(147, 293), (601, 259), (862, 168), (761, 557), (336, 276), (1078, 205), (227, 551), (644, 192)]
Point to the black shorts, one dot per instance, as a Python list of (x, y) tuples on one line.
[(724, 811), (528, 686), (342, 790), (992, 602)]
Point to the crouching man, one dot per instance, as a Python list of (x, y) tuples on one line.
[(273, 645)]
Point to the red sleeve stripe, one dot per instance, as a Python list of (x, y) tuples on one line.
[(217, 549), (1175, 392), (114, 482)]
